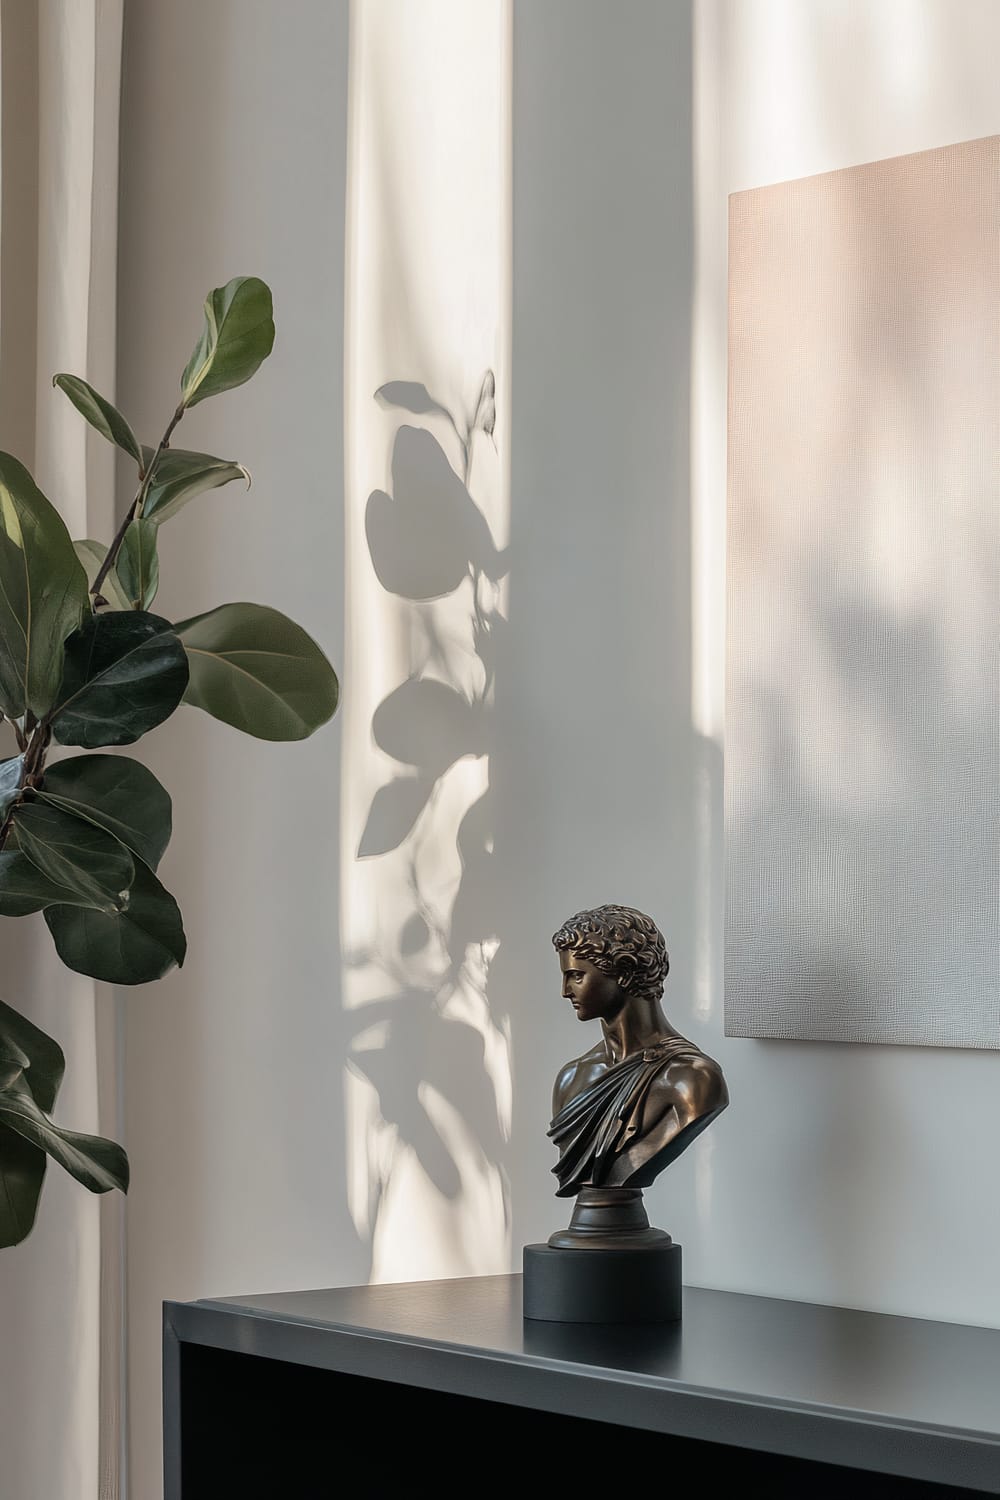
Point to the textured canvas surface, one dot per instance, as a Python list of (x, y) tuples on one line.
[(863, 580)]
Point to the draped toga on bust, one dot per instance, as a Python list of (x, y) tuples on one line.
[(604, 1119)]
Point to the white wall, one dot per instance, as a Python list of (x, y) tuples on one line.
[(428, 299), (234, 160), (863, 1176)]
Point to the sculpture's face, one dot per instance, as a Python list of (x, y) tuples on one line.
[(593, 995)]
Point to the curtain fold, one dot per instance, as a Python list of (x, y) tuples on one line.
[(60, 1291)]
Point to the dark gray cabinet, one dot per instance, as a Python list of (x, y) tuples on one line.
[(442, 1388)]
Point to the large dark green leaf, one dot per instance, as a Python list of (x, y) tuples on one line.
[(12, 1061), (22, 1165), (180, 475), (43, 593), (138, 566), (116, 793), (100, 414), (136, 946), (98, 1164), (10, 782), (31, 1069), (237, 337), (23, 887), (75, 855), (125, 673), (22, 1172), (44, 1054), (92, 555), (257, 670)]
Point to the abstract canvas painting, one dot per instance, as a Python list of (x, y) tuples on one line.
[(862, 752)]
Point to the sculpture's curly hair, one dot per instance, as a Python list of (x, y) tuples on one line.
[(622, 942)]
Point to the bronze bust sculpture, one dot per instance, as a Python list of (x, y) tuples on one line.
[(628, 1107), (622, 1112)]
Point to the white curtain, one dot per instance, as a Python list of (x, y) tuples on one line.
[(60, 1301)]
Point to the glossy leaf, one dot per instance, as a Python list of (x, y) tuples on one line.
[(22, 1172), (138, 567), (45, 1055), (237, 337), (10, 782), (23, 887), (12, 1061), (75, 855), (180, 475), (31, 1070), (43, 593), (22, 1165), (257, 670), (115, 793), (92, 555), (125, 673), (135, 946), (100, 413), (98, 1164)]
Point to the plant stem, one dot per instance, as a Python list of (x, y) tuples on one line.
[(145, 479), (31, 771)]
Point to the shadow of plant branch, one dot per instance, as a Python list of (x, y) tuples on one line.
[(431, 544)]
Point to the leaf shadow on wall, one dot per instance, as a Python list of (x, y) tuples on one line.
[(431, 1034)]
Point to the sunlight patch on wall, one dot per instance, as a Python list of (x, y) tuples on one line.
[(427, 499)]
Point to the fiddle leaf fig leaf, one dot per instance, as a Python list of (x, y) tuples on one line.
[(237, 337), (22, 1172), (45, 1056), (134, 946), (23, 887), (75, 855), (138, 567), (117, 794), (124, 674), (92, 555), (98, 1164), (100, 413), (10, 782), (12, 1061), (43, 593), (180, 475), (257, 670), (31, 1070)]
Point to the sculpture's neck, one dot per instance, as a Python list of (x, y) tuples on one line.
[(639, 1024)]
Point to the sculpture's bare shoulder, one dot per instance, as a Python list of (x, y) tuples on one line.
[(692, 1085), (573, 1077)]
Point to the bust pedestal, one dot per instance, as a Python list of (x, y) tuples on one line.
[(609, 1266)]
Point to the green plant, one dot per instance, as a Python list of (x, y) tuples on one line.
[(83, 662)]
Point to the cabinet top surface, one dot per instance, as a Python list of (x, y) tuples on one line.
[(880, 1369)]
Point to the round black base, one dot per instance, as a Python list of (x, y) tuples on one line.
[(603, 1286)]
